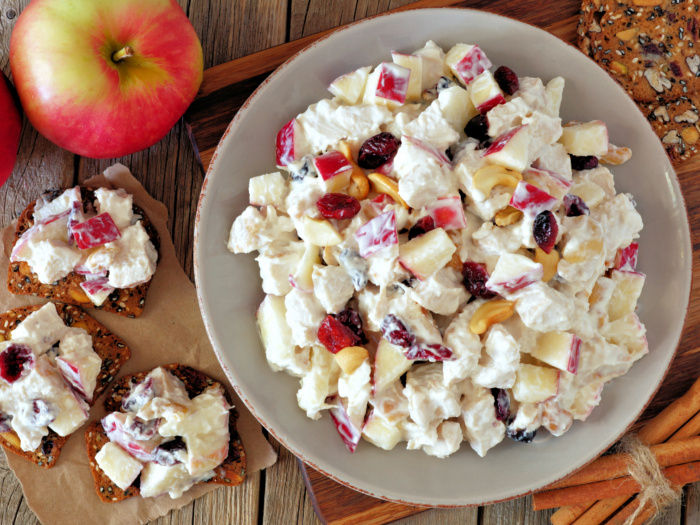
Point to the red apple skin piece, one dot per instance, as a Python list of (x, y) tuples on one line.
[(95, 232), (347, 431), (500, 142), (285, 144), (377, 234), (474, 63), (96, 286), (626, 259), (78, 97), (10, 130), (331, 164), (574, 355), (532, 200), (448, 213), (392, 83), (491, 103)]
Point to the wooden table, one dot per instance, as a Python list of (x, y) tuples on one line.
[(169, 170)]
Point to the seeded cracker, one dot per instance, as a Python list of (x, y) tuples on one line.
[(231, 472), (653, 52), (111, 349), (128, 302)]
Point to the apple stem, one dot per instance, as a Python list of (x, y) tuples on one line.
[(123, 53)]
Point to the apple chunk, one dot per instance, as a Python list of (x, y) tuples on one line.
[(318, 231), (288, 144), (377, 234), (415, 82), (467, 62), (448, 213), (534, 384), (485, 93), (381, 433), (628, 288), (276, 336), (390, 363), (531, 200), (348, 433), (351, 86), (388, 85), (425, 255), (301, 278), (335, 170), (513, 272), (589, 138), (626, 258), (510, 150), (558, 349)]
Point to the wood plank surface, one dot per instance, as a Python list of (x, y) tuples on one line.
[(230, 29)]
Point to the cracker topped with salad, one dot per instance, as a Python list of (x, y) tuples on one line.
[(84, 246), (55, 361)]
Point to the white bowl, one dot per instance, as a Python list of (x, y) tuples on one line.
[(229, 286)]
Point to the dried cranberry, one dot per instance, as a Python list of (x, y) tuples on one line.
[(507, 80), (478, 128), (474, 278), (587, 162), (143, 430), (15, 361), (501, 401), (377, 150), (335, 336), (545, 230), (353, 321), (396, 333), (5, 422), (574, 206), (165, 455), (338, 206), (520, 434), (139, 396), (422, 225), (42, 413), (422, 352)]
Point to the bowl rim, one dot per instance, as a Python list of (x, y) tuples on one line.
[(219, 352)]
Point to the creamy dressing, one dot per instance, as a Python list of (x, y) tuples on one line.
[(447, 384)]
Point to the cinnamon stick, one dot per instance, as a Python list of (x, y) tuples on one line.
[(691, 428), (684, 411), (617, 465), (598, 512), (626, 512), (625, 486), (673, 417), (567, 515)]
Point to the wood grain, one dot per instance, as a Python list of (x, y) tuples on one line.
[(230, 29)]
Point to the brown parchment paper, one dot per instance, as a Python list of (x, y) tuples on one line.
[(170, 330)]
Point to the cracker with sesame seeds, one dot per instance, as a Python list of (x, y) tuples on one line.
[(110, 348), (231, 472), (128, 302), (653, 52), (650, 50)]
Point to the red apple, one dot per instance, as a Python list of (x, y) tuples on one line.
[(10, 130), (105, 79), (377, 234)]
